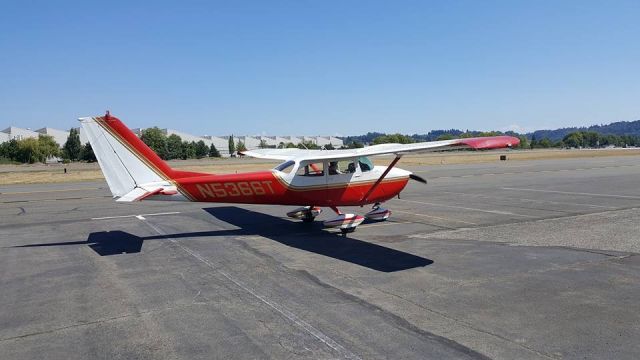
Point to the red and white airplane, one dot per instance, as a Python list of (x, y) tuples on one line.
[(308, 178)]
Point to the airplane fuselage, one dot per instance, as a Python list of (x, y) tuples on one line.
[(277, 188)]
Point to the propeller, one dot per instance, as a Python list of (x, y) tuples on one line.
[(418, 178)]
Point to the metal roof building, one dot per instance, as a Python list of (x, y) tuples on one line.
[(60, 136), (220, 142), (19, 133)]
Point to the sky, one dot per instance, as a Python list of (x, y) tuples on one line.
[(320, 67)]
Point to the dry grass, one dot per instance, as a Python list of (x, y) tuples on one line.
[(38, 174), (466, 157)]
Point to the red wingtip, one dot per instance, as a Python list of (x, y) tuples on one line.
[(491, 142)]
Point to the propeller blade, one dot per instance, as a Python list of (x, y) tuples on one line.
[(418, 178)]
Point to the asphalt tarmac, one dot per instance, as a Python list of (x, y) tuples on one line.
[(527, 260)]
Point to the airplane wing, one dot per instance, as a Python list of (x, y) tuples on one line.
[(479, 143)]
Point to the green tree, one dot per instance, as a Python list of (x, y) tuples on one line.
[(308, 145), (201, 149), (72, 149), (393, 138), (174, 147), (213, 152), (488, 133), (445, 137), (29, 151), (545, 143), (241, 147), (263, 144), (232, 146), (87, 153), (574, 140), (188, 150), (524, 142), (48, 147), (329, 146), (467, 134), (353, 145), (9, 149), (591, 139), (156, 140), (290, 145)]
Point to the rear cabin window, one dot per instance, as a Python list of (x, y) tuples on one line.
[(365, 164), (312, 169)]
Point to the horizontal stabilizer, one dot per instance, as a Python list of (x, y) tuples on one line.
[(143, 192)]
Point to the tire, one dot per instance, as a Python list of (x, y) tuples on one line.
[(348, 230)]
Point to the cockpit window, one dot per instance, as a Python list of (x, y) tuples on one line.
[(311, 169), (365, 164), (342, 167), (286, 166)]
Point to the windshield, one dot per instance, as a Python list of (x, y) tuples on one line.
[(286, 166)]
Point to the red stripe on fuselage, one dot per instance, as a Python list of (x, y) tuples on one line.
[(266, 188)]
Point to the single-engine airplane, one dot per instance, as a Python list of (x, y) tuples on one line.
[(311, 179)]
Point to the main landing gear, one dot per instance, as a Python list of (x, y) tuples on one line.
[(345, 222), (305, 213)]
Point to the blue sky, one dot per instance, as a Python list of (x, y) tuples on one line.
[(320, 67)]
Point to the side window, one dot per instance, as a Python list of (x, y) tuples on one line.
[(365, 164), (342, 167), (311, 169), (285, 167)]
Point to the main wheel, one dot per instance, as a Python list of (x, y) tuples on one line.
[(347, 230)]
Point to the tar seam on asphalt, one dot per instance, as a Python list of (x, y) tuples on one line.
[(275, 306)]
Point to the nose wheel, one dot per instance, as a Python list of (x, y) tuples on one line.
[(378, 213), (347, 223)]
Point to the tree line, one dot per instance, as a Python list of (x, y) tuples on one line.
[(173, 147), (44, 147), (577, 139)]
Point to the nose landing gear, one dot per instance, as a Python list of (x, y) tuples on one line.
[(378, 213), (346, 222)]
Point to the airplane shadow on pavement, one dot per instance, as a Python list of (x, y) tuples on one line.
[(303, 236)]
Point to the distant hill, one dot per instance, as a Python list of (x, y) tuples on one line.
[(620, 128), (617, 128)]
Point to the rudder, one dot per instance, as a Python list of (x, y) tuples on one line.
[(125, 160)]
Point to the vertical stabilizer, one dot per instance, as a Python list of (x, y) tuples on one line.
[(125, 160)]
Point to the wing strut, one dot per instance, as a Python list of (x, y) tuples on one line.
[(375, 185)]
